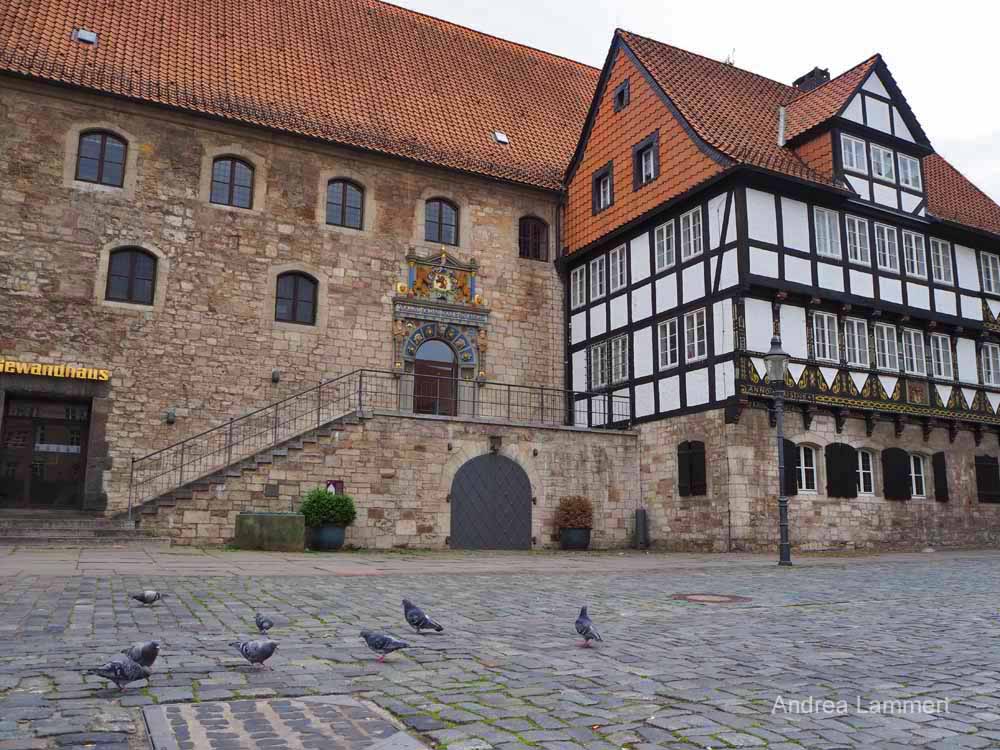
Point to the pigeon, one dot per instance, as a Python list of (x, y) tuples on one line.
[(147, 597), (143, 653), (256, 652), (382, 643), (121, 672), (263, 623), (586, 628), (417, 619)]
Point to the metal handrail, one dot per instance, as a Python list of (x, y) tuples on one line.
[(240, 438)]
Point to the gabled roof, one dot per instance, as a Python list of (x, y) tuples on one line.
[(952, 197), (811, 108), (356, 72)]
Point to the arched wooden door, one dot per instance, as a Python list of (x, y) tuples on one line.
[(491, 505)]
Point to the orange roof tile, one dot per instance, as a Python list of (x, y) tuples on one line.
[(357, 72), (809, 109), (951, 196)]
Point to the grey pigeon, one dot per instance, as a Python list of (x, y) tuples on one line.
[(121, 672), (382, 643), (148, 596), (263, 623), (143, 653), (256, 652), (586, 628), (417, 619)]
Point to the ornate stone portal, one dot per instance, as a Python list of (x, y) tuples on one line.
[(439, 301)]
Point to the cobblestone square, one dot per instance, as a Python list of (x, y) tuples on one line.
[(886, 651)]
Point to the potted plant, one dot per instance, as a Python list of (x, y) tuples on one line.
[(326, 515), (574, 519)]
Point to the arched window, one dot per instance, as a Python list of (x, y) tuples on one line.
[(232, 182), (344, 204), (295, 300), (131, 276), (441, 222), (100, 158), (533, 238)]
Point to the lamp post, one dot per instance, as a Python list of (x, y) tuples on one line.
[(777, 365)]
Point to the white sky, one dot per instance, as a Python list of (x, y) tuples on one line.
[(942, 57)]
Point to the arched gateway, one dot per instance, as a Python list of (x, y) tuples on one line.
[(491, 505)]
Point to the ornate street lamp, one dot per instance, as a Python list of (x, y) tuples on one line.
[(777, 366)]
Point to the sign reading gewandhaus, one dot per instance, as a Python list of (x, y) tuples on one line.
[(13, 367)]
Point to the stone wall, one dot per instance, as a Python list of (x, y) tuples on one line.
[(208, 345), (400, 470)]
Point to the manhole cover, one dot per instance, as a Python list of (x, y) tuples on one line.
[(711, 598)]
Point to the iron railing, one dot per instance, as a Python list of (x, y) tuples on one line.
[(362, 391)]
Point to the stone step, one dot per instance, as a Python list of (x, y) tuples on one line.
[(75, 541), (26, 530), (55, 522)]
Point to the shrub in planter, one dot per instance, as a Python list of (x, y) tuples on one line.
[(326, 515), (574, 519)]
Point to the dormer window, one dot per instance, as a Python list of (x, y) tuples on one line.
[(882, 164), (853, 154), (646, 161), (909, 172), (620, 97)]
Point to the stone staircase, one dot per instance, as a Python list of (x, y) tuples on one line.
[(70, 529)]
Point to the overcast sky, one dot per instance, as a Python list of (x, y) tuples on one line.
[(944, 62)]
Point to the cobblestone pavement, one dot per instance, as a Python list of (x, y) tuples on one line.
[(507, 672)]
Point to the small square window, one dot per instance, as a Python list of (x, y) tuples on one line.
[(620, 97), (645, 161), (853, 154)]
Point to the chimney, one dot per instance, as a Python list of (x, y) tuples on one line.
[(812, 79)]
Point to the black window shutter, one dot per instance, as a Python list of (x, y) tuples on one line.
[(848, 470), (896, 474), (683, 470), (940, 477), (696, 472), (988, 479), (791, 480), (833, 478)]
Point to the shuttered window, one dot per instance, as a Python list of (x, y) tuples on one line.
[(807, 469), (918, 477), (866, 473), (790, 481), (988, 479), (896, 474), (691, 478), (940, 477), (842, 470)]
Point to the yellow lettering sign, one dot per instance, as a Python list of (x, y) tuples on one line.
[(14, 367)]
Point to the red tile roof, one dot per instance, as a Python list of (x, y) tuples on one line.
[(811, 108), (952, 197), (357, 72)]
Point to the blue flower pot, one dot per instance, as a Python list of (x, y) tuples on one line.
[(326, 538), (574, 538)]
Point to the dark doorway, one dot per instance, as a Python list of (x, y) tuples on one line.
[(435, 379), (491, 505), (43, 453)]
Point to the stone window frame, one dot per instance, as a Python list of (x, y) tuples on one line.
[(254, 159), (72, 152), (267, 307), (465, 225), (101, 279), (369, 205)]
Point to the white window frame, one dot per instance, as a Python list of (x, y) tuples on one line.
[(863, 472), (618, 276), (941, 262), (807, 474), (663, 242), (578, 287), (691, 234), (914, 352), (886, 357), (909, 168), (879, 156), (598, 363), (598, 285), (991, 272), (914, 254), (695, 335), (828, 220), (669, 343), (918, 469), (603, 192), (647, 165), (849, 155), (886, 246), (859, 250), (991, 364), (856, 342), (618, 350), (941, 359), (825, 341)]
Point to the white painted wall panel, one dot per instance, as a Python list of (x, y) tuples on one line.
[(944, 301), (599, 319), (878, 114), (645, 404), (619, 311), (722, 316), (853, 111), (642, 352), (760, 327), (861, 186), (900, 125), (696, 383), (761, 219), (885, 195), (666, 292), (909, 201), (716, 213), (670, 393), (764, 262), (966, 359), (793, 331), (890, 290), (918, 295), (968, 273), (798, 270), (972, 307), (580, 370), (730, 270), (642, 302), (795, 224), (694, 282), (578, 327), (862, 284), (725, 380), (874, 84), (639, 256), (830, 276)]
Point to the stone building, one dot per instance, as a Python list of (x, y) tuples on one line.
[(453, 273)]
